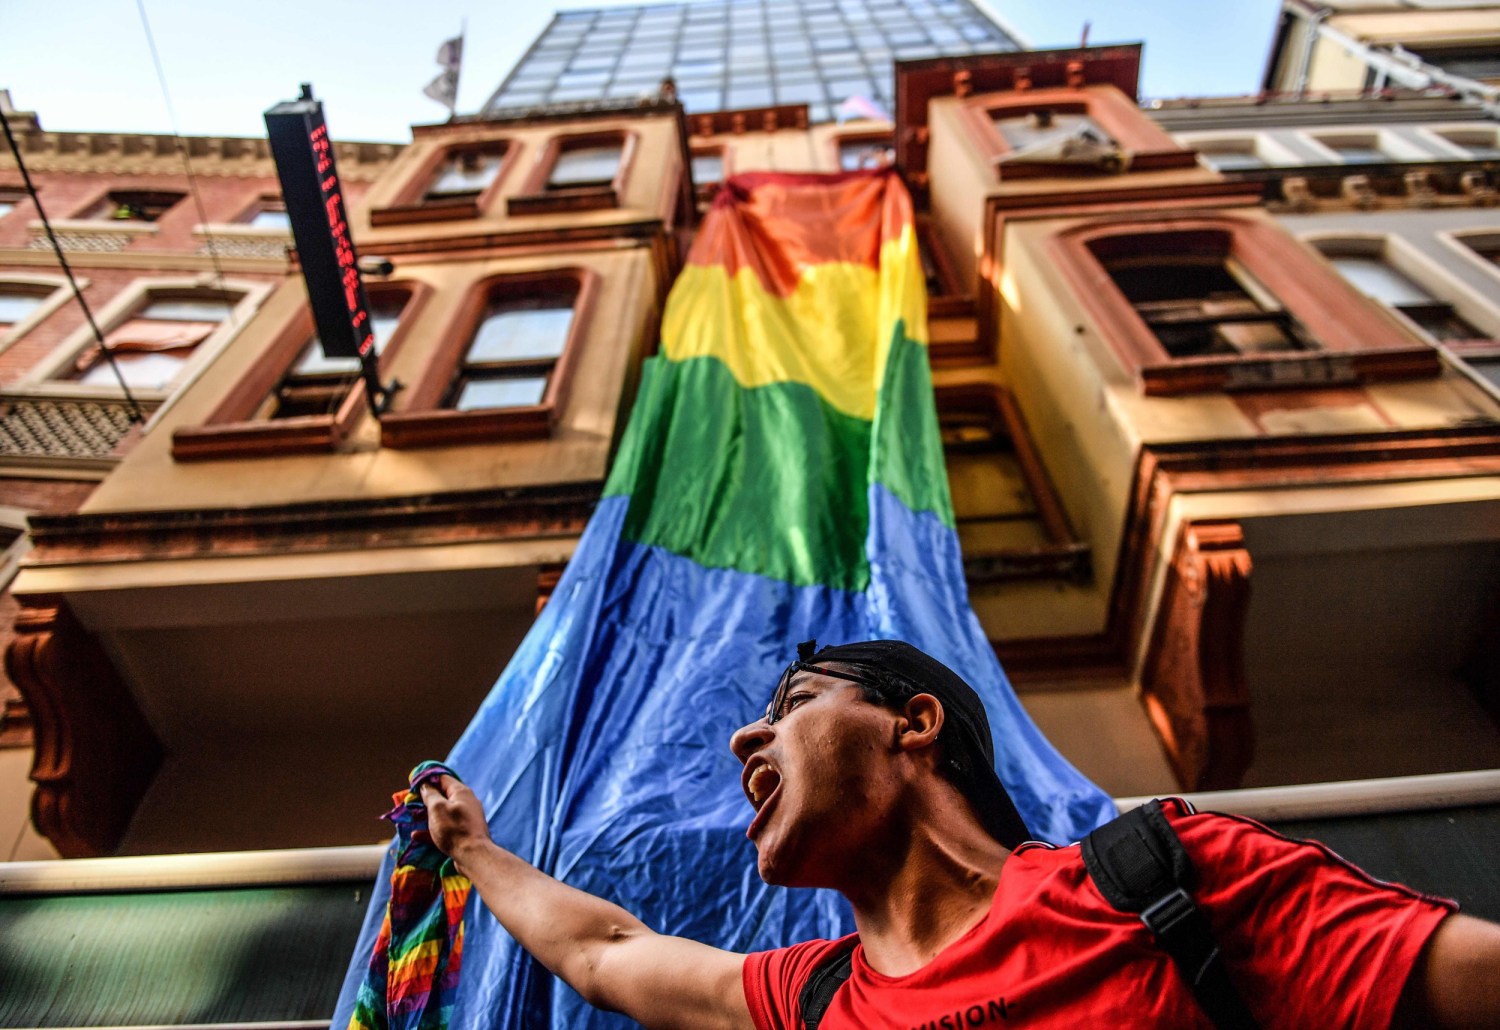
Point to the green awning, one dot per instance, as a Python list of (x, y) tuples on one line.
[(1448, 851), (181, 956)]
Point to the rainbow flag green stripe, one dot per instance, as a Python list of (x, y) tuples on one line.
[(784, 391), (777, 481)]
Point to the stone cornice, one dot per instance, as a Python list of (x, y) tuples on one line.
[(114, 153), (516, 513)]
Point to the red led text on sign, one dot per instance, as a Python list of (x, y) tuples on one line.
[(333, 202)]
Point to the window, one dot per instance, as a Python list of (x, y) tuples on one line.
[(17, 303), (937, 268), (133, 205), (581, 172), (464, 175), (1488, 368), (1010, 522), (1475, 61), (151, 347), (1069, 131), (1231, 157), (1193, 303), (1197, 300), (1477, 144), (1356, 150), (316, 384), (268, 213), (866, 151), (1047, 129), (293, 400), (513, 352), (453, 181), (585, 164), (708, 166), (1374, 277), (1486, 246), (503, 371)]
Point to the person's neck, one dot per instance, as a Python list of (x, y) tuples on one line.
[(943, 885)]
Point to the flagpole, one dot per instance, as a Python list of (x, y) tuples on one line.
[(463, 30)]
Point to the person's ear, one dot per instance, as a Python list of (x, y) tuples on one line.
[(921, 722)]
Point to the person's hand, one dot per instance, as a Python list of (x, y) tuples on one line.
[(455, 818)]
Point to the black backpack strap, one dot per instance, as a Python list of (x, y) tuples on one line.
[(817, 994), (1139, 865)]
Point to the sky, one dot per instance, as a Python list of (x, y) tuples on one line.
[(85, 65)]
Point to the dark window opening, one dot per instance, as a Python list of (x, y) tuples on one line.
[(1196, 299), (316, 384), (134, 205)]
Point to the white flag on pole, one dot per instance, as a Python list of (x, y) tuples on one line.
[(444, 88)]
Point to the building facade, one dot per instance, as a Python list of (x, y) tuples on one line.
[(1216, 382)]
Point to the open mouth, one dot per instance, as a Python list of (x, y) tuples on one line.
[(761, 784)]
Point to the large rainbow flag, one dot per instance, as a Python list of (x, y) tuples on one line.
[(781, 478)]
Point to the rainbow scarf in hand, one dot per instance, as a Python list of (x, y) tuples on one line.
[(412, 979)]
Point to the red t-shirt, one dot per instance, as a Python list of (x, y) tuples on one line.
[(1310, 941)]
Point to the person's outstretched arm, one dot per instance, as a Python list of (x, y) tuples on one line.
[(1456, 982), (603, 952)]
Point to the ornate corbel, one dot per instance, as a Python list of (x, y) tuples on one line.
[(95, 754), (1193, 678)]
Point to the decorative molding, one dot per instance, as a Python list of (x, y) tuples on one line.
[(61, 428), (918, 82), (95, 754), (144, 154), (314, 528), (90, 236), (1193, 679), (1164, 471)]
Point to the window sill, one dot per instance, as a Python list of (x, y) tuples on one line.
[(431, 211), (405, 429), (127, 227), (1277, 371), (582, 198), (309, 434)]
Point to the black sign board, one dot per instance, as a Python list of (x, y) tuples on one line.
[(320, 225)]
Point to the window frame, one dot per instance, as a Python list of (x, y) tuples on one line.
[(419, 421), (58, 293), (1262, 145), (1389, 251), (704, 191), (837, 141), (232, 431), (1394, 148), (1357, 342), (1476, 246), (1065, 555), (85, 213), (1149, 146), (42, 379), (408, 206), (535, 198)]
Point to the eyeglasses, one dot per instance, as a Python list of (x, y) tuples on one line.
[(775, 711)]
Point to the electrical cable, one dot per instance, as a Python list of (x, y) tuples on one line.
[(187, 164), (136, 415)]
